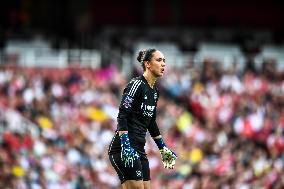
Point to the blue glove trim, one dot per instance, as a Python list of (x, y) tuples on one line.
[(160, 143), (124, 140)]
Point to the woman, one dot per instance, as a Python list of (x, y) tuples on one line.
[(137, 115)]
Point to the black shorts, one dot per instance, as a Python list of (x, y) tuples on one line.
[(139, 171)]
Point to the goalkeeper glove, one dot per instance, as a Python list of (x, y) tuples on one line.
[(128, 154), (168, 156)]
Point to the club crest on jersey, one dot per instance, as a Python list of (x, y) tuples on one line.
[(155, 96), (127, 102)]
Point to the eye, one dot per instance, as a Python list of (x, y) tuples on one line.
[(161, 59)]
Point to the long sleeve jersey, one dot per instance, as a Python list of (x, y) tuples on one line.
[(137, 115)]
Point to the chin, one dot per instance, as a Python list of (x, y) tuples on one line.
[(160, 75)]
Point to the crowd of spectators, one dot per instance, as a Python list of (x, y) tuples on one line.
[(226, 126)]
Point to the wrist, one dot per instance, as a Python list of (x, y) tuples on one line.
[(124, 139), (122, 132), (160, 143)]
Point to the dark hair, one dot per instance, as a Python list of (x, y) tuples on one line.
[(145, 55)]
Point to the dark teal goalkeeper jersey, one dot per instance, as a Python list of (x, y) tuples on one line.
[(137, 115)]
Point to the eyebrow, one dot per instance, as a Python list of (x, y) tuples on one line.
[(161, 59)]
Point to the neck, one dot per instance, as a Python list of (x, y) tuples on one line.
[(150, 79)]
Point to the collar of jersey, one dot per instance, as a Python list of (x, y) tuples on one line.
[(146, 82)]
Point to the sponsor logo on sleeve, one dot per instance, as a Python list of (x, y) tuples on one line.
[(127, 103)]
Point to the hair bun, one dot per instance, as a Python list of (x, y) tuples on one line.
[(141, 56)]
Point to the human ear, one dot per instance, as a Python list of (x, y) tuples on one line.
[(148, 64)]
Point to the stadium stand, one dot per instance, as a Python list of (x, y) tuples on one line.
[(223, 114)]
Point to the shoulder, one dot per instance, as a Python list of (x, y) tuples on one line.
[(136, 81), (134, 85)]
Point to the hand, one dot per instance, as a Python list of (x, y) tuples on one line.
[(168, 157), (128, 154)]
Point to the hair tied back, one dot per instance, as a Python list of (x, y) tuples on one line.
[(143, 55)]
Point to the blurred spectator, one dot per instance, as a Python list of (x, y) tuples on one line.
[(226, 126)]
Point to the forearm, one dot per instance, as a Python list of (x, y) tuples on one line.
[(122, 119), (122, 122), (156, 135), (154, 130)]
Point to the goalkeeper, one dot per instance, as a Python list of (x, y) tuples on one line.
[(137, 115)]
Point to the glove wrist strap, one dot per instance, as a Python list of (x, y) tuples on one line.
[(160, 143), (124, 140)]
